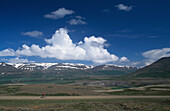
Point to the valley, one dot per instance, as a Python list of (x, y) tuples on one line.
[(87, 87)]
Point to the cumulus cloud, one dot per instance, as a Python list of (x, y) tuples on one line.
[(77, 21), (60, 13), (124, 7), (124, 59), (60, 46), (35, 34), (7, 52)]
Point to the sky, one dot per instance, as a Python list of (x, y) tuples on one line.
[(120, 32)]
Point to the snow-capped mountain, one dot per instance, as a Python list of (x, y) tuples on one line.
[(69, 66), (7, 68), (54, 67), (33, 66), (50, 66), (114, 67)]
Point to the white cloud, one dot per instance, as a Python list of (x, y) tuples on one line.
[(124, 59), (7, 52), (152, 56), (142, 63), (157, 53), (77, 21), (18, 60), (60, 46), (124, 7), (79, 17), (60, 13), (80, 43), (149, 57), (32, 33)]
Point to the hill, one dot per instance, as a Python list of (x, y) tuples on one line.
[(158, 69), (57, 72), (8, 68)]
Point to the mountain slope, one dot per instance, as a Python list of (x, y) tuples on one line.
[(159, 69), (7, 68), (113, 69), (63, 67), (56, 72)]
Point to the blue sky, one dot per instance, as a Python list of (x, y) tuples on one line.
[(123, 32)]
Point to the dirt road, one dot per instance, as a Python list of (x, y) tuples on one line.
[(73, 97)]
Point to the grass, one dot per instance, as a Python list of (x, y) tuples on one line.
[(65, 90), (9, 90), (164, 87), (155, 74), (142, 104), (62, 77), (48, 89), (86, 105), (14, 90), (57, 94), (140, 92)]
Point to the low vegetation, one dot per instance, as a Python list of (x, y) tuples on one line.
[(152, 90), (48, 89), (86, 105)]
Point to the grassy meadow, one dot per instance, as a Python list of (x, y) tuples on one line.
[(86, 105)]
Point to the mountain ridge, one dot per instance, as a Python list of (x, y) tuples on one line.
[(158, 69), (54, 67)]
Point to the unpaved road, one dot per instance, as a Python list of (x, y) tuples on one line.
[(73, 97)]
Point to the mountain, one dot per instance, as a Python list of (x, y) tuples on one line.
[(113, 69), (50, 66), (7, 68), (33, 66), (69, 66), (10, 68), (56, 72), (158, 69)]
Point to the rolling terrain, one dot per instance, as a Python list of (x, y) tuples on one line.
[(12, 98), (80, 87), (111, 104), (158, 69), (7, 68), (57, 72)]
